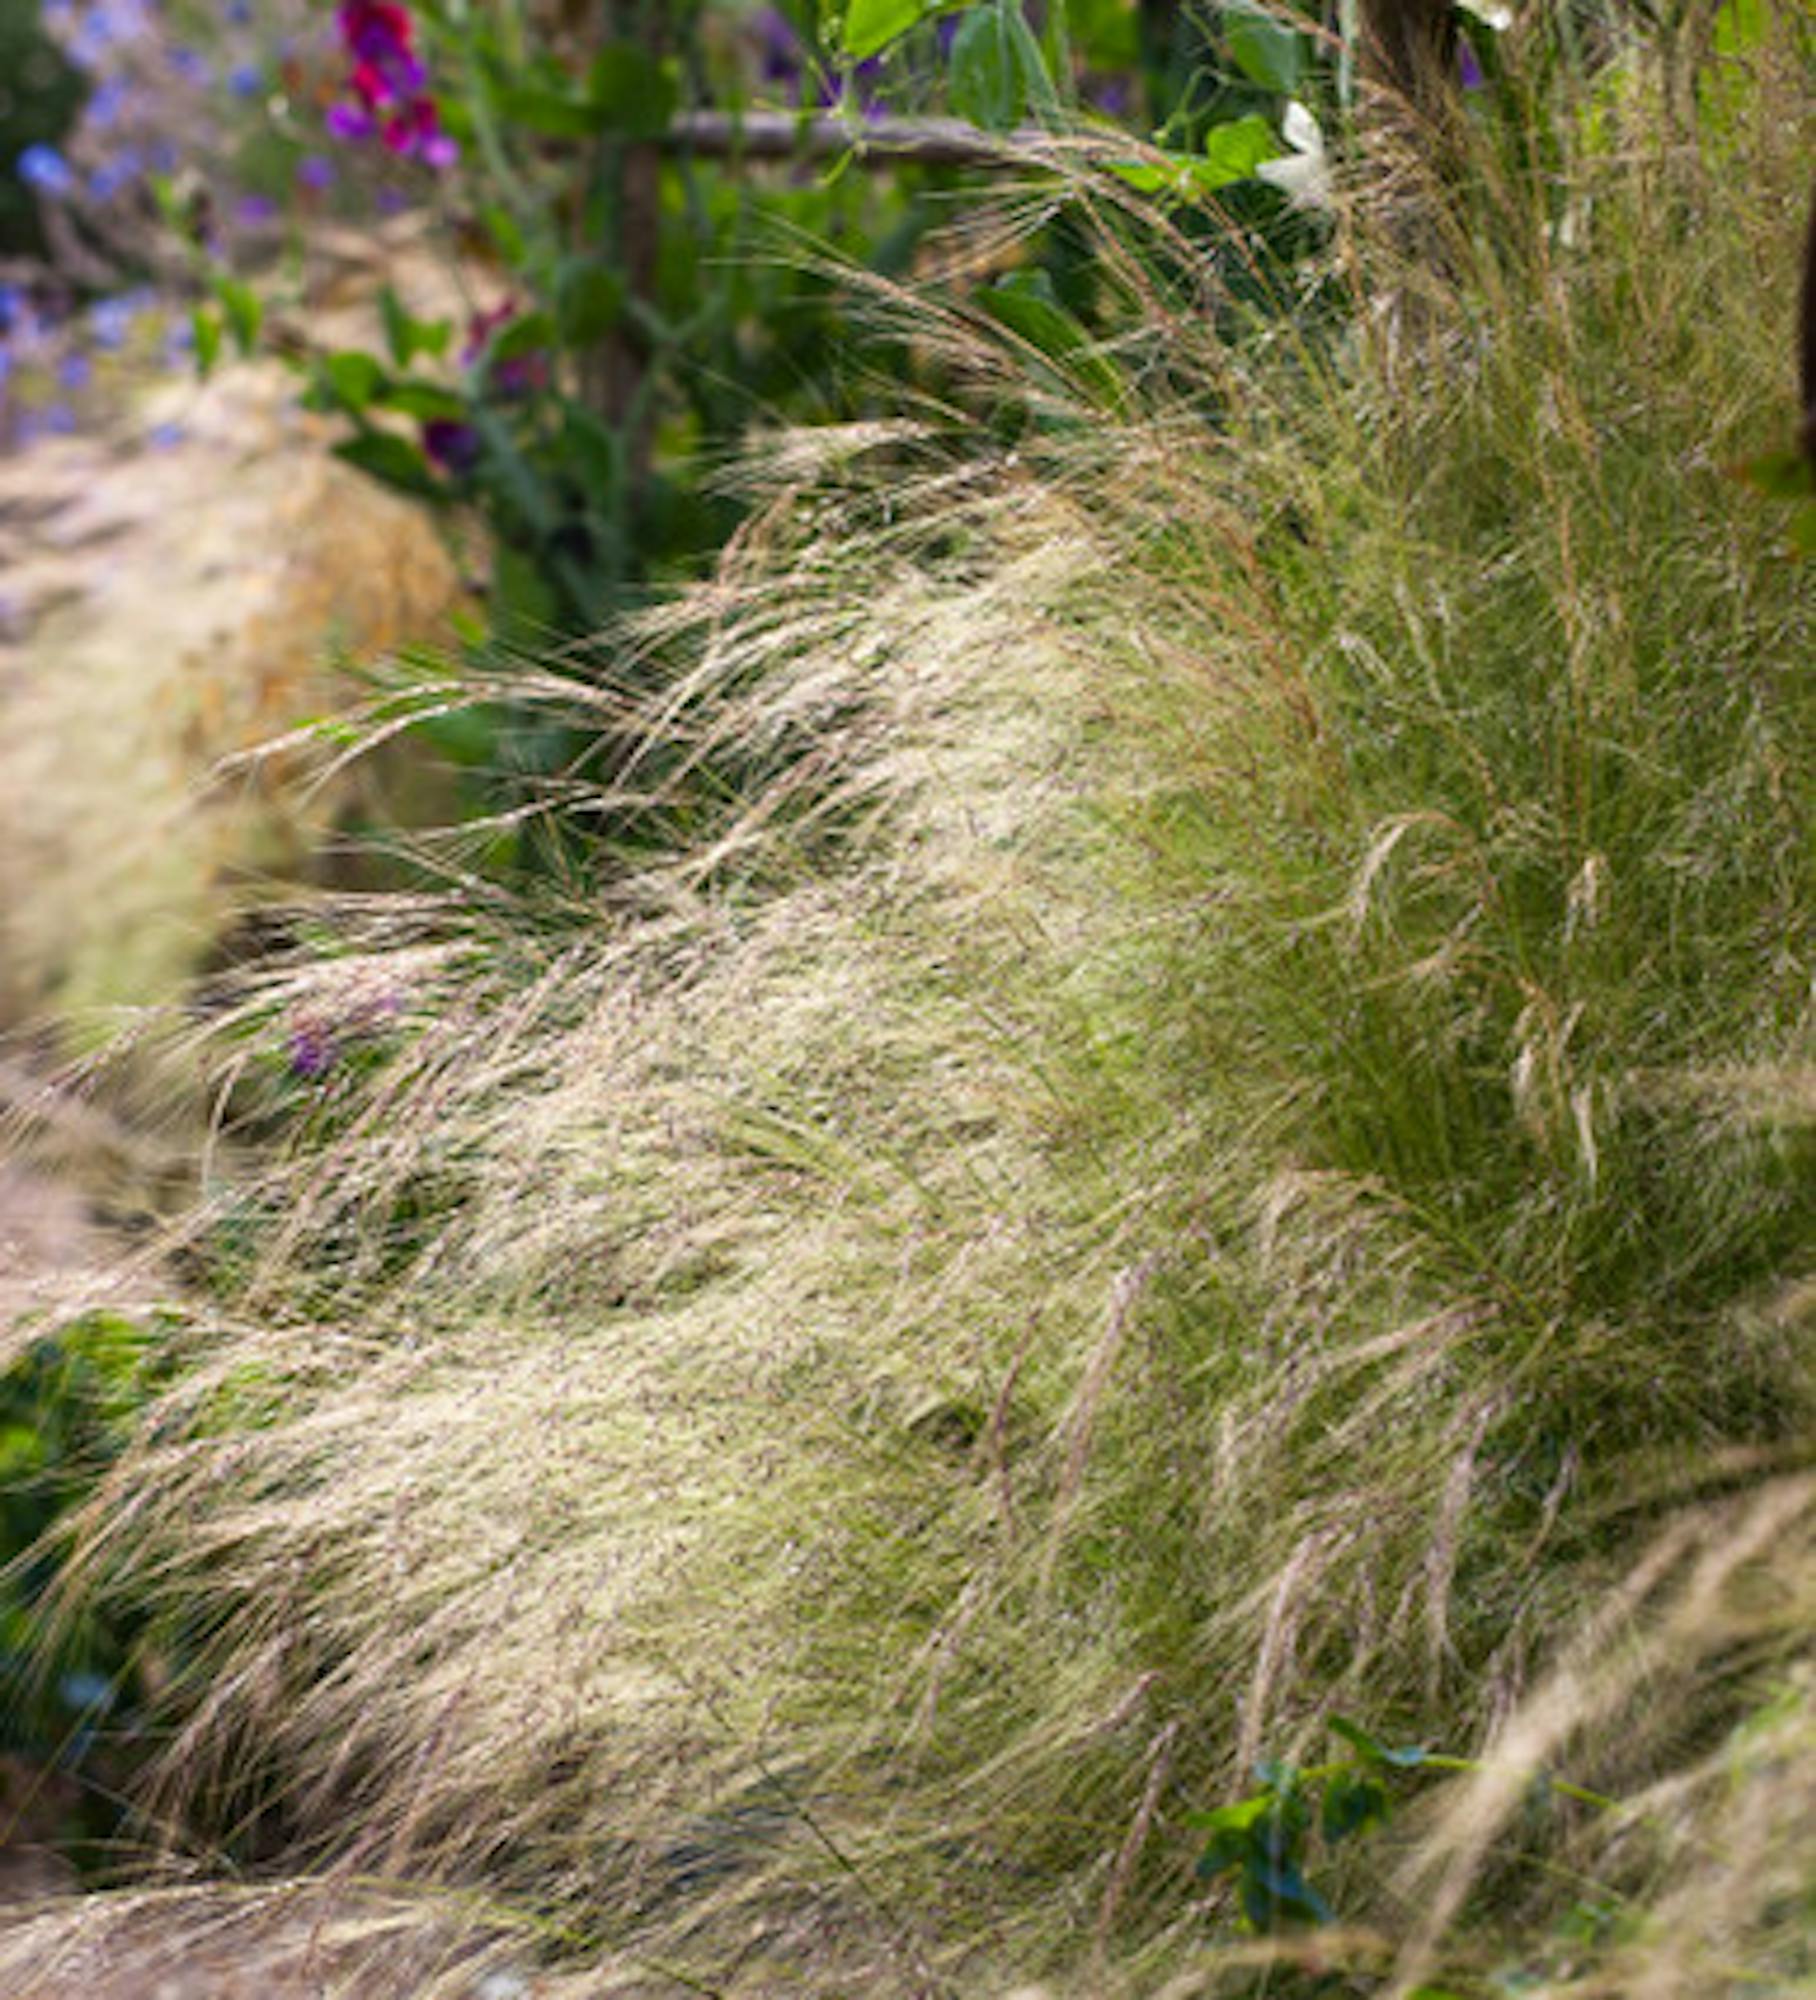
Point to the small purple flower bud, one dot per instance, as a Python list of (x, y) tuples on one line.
[(350, 121), (1469, 69), (451, 444), (312, 1051)]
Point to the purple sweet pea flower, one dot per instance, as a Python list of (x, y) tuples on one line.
[(778, 47), (380, 37), (385, 87), (452, 445)]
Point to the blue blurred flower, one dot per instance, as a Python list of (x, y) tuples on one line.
[(254, 208), (110, 321), (44, 168), (162, 436), (112, 175), (108, 100), (60, 419), (191, 64), (75, 371), (314, 170), (247, 80)]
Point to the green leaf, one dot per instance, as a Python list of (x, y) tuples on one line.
[(528, 335), (425, 401), (1041, 92), (1264, 50), (1780, 475), (1232, 152), (589, 299), (1235, 1818), (244, 310), (591, 447), (1351, 1805), (514, 478), (988, 86), (551, 113), (205, 326), (407, 337), (1357, 1738), (1025, 304), (871, 25), (631, 92), (392, 460), (1277, 1895), (507, 236), (353, 378)]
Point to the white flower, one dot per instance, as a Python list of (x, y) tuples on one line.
[(1303, 174)]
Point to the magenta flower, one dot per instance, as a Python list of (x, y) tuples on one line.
[(380, 37), (385, 85), (414, 132)]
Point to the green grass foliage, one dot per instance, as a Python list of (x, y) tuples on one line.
[(1226, 1139)]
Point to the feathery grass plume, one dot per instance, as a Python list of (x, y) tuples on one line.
[(1215, 1132)]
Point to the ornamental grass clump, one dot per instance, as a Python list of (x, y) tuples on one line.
[(1221, 1139)]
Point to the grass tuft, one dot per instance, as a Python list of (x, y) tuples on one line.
[(1217, 1133)]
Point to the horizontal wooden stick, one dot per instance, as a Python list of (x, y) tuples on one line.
[(787, 135)]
